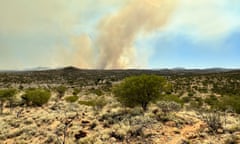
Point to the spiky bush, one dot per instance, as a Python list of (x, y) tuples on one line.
[(168, 106), (212, 119)]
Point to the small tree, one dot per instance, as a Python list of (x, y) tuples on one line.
[(140, 90), (36, 97), (61, 91), (6, 95)]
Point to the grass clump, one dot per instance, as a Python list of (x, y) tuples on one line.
[(95, 103), (168, 106), (36, 97), (172, 98), (71, 99), (98, 92), (212, 119), (76, 91)]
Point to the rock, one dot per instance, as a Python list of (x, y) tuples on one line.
[(192, 136), (203, 126), (206, 130), (220, 131), (85, 122), (155, 111), (112, 139), (171, 124), (237, 133), (49, 140), (29, 121), (80, 134), (145, 132), (176, 131), (203, 135)]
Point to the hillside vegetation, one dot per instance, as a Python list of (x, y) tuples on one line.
[(115, 106)]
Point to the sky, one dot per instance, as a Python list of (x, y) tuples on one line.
[(119, 34)]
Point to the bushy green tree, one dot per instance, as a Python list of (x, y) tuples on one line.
[(36, 97), (140, 90), (6, 95)]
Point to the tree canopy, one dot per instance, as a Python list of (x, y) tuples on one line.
[(140, 90)]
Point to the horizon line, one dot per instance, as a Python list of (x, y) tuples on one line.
[(165, 68)]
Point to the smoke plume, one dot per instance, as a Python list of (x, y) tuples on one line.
[(119, 31)]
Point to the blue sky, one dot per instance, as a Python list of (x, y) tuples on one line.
[(110, 34)]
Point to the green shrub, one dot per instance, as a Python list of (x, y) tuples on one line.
[(232, 102), (95, 103), (86, 103), (173, 98), (190, 94), (76, 91), (212, 101), (61, 91), (36, 97), (7, 95), (195, 105), (199, 100), (186, 99), (140, 90), (71, 99), (98, 92)]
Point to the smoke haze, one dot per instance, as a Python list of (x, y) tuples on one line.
[(115, 34), (119, 31)]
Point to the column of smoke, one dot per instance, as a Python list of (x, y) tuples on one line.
[(119, 31)]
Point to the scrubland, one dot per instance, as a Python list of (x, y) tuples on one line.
[(68, 107)]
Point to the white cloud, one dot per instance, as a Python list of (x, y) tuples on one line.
[(206, 19)]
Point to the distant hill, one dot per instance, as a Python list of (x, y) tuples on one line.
[(81, 77), (173, 70)]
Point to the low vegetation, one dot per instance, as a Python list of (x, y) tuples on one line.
[(61, 91), (97, 103), (84, 106), (71, 99), (36, 97), (7, 95)]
